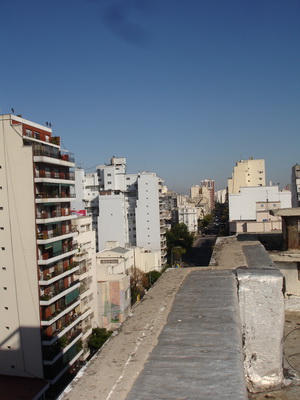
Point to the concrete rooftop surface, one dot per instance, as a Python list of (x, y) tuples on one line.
[(189, 349), (184, 339)]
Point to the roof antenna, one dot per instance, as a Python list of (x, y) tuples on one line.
[(12, 110)]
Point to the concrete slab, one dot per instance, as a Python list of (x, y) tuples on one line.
[(199, 352)]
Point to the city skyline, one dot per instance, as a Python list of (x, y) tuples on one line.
[(184, 89)]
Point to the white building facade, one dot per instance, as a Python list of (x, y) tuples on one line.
[(86, 273), (125, 207), (249, 209)]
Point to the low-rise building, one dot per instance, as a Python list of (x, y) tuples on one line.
[(249, 209)]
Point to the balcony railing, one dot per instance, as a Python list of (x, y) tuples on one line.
[(56, 232), (50, 152), (51, 195), (51, 254), (52, 293), (70, 176), (58, 212), (58, 270)]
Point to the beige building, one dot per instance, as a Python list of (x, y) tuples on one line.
[(247, 173), (40, 329), (113, 287)]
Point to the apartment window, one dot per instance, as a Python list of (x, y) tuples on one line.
[(127, 179), (0, 187), (1, 208), (4, 268), (4, 288), (109, 182), (2, 248), (6, 308), (108, 174)]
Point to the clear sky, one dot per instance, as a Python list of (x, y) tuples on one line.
[(184, 88)]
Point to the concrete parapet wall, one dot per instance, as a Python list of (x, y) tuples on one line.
[(262, 307), (261, 303)]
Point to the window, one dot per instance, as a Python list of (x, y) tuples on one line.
[(109, 182), (127, 179), (108, 174)]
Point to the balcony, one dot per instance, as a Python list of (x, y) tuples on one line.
[(61, 347), (48, 278), (57, 334), (50, 297), (54, 177), (53, 235), (63, 311), (41, 136), (47, 258), (53, 216), (52, 155)]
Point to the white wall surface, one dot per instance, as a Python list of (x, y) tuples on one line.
[(147, 212), (111, 220), (242, 206)]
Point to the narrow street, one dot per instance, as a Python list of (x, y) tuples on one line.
[(199, 255)]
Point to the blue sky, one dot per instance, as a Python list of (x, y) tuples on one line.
[(182, 88)]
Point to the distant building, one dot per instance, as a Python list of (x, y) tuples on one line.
[(221, 196), (125, 207), (203, 196), (41, 326), (188, 215), (295, 185), (210, 185), (249, 209), (247, 173)]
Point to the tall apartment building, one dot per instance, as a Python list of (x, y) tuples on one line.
[(247, 173), (85, 258), (203, 196), (39, 296), (126, 208), (295, 185), (209, 184)]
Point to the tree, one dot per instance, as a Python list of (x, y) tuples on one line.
[(98, 337), (152, 277), (179, 239), (179, 236), (138, 283)]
